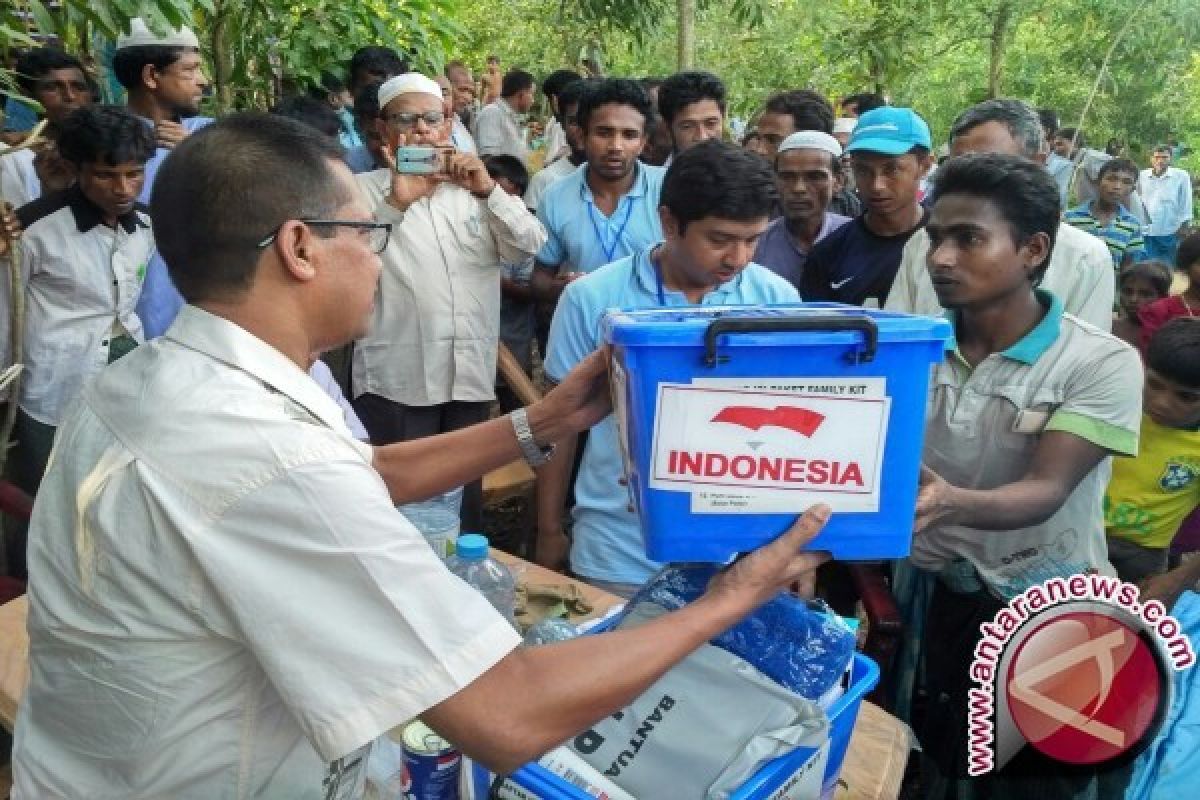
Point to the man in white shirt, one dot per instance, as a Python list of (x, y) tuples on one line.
[(427, 363), (556, 146), (1167, 196), (543, 179), (1080, 270), (83, 258), (498, 126), (58, 83), (224, 601)]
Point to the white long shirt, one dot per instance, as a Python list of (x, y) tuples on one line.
[(82, 280), (1167, 199), (1080, 274), (223, 602), (432, 335)]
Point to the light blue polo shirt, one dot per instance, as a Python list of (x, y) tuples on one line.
[(581, 238), (607, 540), (160, 301)]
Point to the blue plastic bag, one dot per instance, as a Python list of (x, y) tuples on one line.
[(801, 645)]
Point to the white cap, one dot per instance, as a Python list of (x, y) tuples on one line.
[(408, 83), (141, 36), (812, 140), (844, 124)]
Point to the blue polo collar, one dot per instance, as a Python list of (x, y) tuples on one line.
[(1034, 344), (636, 189), (647, 281)]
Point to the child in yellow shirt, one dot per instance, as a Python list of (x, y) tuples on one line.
[(1149, 496)]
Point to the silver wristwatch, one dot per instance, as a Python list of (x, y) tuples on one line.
[(535, 456)]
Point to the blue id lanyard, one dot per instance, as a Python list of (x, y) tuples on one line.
[(609, 248), (658, 278)]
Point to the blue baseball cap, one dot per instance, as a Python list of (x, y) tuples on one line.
[(891, 131)]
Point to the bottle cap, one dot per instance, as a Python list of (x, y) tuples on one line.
[(471, 547)]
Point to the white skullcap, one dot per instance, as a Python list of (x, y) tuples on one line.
[(812, 140), (844, 125), (408, 83), (141, 36)]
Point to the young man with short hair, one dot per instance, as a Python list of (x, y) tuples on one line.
[(715, 204), (807, 167), (83, 259), (556, 133), (1167, 196), (368, 156), (855, 105), (692, 106), (788, 112), (1024, 413), (498, 126), (373, 64), (568, 109), (57, 81), (889, 156), (1107, 216), (606, 209), (1080, 270)]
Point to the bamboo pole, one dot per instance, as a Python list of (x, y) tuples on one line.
[(515, 376), (16, 313)]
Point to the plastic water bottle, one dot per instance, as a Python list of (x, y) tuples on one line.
[(491, 578), (437, 520)]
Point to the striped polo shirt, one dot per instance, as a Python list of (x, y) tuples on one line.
[(1122, 235)]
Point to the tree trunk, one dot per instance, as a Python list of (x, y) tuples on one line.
[(999, 43), (221, 60), (687, 34)]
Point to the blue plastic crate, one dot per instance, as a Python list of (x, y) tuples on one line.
[(765, 411), (864, 676)]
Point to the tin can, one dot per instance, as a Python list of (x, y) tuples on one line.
[(431, 764)]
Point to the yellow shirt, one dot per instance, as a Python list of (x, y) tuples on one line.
[(1149, 496)]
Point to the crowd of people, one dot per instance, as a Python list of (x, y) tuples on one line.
[(197, 498)]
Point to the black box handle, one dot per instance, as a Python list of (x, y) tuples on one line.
[(829, 322)]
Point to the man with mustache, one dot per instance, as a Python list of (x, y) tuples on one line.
[(807, 168)]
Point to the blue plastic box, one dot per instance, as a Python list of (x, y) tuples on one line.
[(733, 420), (864, 675)]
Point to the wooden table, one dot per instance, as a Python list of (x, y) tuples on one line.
[(873, 769)]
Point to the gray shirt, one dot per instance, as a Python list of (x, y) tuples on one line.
[(779, 251), (984, 424)]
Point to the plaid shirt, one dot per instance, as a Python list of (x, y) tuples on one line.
[(1122, 235)]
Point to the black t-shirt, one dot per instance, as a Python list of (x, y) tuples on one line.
[(852, 264)]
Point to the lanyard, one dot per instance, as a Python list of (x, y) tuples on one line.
[(658, 278), (609, 248)]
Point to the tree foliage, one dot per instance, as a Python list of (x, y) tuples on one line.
[(938, 56)]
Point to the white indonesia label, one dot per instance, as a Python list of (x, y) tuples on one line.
[(771, 445)]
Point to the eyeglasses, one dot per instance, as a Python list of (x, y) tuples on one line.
[(378, 232), (406, 120)]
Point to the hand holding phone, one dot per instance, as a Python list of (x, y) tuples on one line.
[(417, 170), (423, 159)]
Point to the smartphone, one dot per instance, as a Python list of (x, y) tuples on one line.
[(423, 159)]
